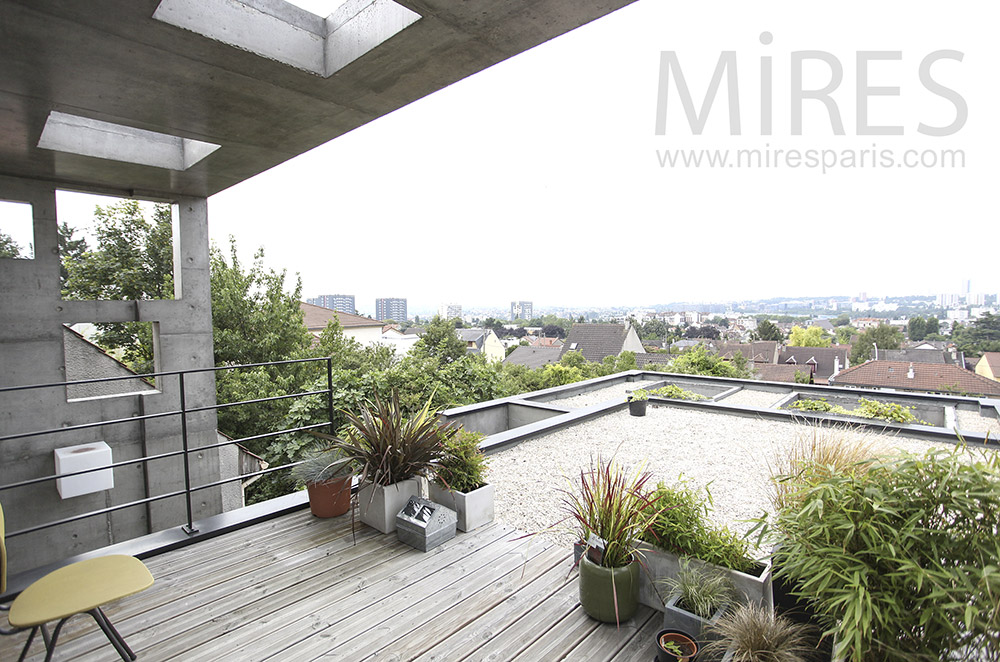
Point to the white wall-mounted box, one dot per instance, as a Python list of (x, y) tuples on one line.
[(80, 458)]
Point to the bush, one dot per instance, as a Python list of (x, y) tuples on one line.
[(462, 466), (900, 561), (683, 528), (873, 409), (677, 393)]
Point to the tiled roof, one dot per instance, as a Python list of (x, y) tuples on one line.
[(595, 341), (546, 342), (776, 372), (926, 377), (642, 360), (993, 361), (915, 355), (317, 317), (822, 357), (760, 351), (471, 335), (533, 357)]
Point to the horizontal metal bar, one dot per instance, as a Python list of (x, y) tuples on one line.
[(86, 426), (93, 513), (192, 410)]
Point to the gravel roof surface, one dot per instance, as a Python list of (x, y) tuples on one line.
[(968, 420), (730, 452)]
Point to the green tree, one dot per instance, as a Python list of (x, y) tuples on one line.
[(844, 334), (814, 336), (9, 247), (982, 335), (440, 341), (767, 330), (883, 336), (700, 361), (71, 251), (916, 328), (931, 326), (843, 319)]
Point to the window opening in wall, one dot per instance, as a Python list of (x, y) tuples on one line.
[(104, 350), (321, 8), (17, 233), (114, 249)]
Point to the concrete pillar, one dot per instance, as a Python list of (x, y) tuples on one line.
[(32, 313)]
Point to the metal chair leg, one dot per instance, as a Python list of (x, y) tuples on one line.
[(50, 644), (27, 644), (113, 635)]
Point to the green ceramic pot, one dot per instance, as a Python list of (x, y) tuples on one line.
[(597, 594)]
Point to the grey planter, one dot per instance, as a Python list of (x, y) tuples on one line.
[(659, 564), (378, 504), (676, 618), (474, 508)]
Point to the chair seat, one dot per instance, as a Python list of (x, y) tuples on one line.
[(79, 588)]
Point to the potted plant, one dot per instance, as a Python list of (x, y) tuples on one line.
[(699, 596), (675, 646), (637, 402), (753, 633), (612, 504), (327, 475), (460, 480), (391, 450)]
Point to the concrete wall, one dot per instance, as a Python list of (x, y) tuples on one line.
[(933, 414), (32, 315)]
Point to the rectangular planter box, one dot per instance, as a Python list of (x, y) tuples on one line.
[(659, 564), (378, 504), (474, 508), (675, 618)]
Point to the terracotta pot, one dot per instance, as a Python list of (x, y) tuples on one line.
[(597, 593), (687, 645), (330, 498)]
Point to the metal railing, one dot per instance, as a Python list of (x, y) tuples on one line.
[(185, 451)]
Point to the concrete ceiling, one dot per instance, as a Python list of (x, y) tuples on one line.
[(110, 61)]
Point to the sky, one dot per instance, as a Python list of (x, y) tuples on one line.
[(544, 177)]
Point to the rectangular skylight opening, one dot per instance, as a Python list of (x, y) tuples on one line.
[(105, 140), (17, 230)]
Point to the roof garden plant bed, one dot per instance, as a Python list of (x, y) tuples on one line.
[(897, 410)]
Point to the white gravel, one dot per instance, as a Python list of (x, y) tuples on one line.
[(974, 422), (591, 398), (748, 397), (729, 452)]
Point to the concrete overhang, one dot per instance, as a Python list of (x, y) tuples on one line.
[(112, 70)]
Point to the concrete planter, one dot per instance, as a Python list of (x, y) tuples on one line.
[(474, 508), (378, 505), (660, 564), (677, 618)]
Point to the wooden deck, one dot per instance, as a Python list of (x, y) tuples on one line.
[(298, 588)]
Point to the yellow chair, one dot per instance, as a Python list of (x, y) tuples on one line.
[(78, 588)]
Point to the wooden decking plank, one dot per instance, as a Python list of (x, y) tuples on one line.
[(564, 636), (189, 595), (457, 617), (605, 642), (456, 643), (299, 620), (399, 615), (642, 647), (536, 620), (293, 591)]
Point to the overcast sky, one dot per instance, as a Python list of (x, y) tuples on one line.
[(541, 178)]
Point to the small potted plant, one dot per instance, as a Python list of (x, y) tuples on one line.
[(391, 451), (675, 646), (699, 596), (327, 475), (612, 503), (637, 402), (753, 633), (460, 481)]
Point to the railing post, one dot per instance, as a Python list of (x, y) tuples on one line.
[(189, 527), (329, 392)]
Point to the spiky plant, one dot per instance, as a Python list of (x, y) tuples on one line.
[(756, 634), (703, 591), (322, 466), (614, 503), (388, 446), (462, 466)]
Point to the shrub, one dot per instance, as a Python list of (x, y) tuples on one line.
[(676, 393), (682, 527), (462, 466), (702, 591), (886, 411), (900, 561), (756, 634)]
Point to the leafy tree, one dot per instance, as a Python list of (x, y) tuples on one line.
[(916, 328), (931, 326), (803, 377), (719, 320), (70, 251), (767, 330), (814, 336), (844, 334), (883, 336), (702, 332), (440, 341), (700, 361), (553, 331), (496, 325), (843, 319), (653, 329), (982, 335), (9, 247)]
